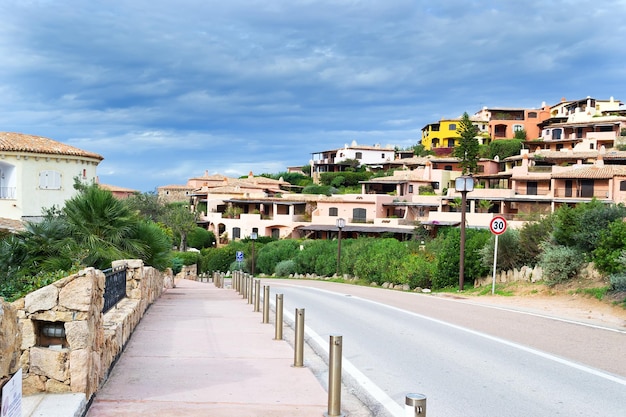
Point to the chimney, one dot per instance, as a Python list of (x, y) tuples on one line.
[(600, 161)]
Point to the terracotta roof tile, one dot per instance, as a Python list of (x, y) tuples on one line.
[(20, 142), (592, 172)]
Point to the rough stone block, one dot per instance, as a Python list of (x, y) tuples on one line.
[(79, 334), (77, 294), (43, 299), (79, 370), (10, 339), (54, 386), (49, 362), (32, 384), (29, 338)]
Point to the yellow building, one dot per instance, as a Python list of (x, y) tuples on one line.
[(443, 135)]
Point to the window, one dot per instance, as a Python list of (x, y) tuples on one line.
[(531, 188), (586, 188), (275, 233), (410, 188), (435, 185), (517, 128), (447, 168), (450, 143), (556, 134), (622, 185), (532, 115), (333, 211), (236, 232), (383, 156), (359, 215), (358, 155), (255, 230), (50, 180), (452, 126)]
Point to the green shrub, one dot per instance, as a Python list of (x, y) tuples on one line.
[(509, 255), (220, 259), (618, 281), (608, 255), (382, 261), (318, 189), (177, 265), (318, 257), (447, 258), (285, 268), (188, 258), (273, 253), (560, 263), (532, 235), (200, 238), (238, 266), (419, 270)]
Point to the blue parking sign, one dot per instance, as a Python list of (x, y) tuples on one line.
[(239, 256)]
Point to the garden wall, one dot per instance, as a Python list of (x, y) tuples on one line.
[(59, 336)]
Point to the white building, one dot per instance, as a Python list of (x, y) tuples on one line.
[(38, 173)]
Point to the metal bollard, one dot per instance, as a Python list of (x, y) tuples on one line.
[(250, 289), (334, 377), (244, 287), (415, 405), (278, 334), (298, 347), (257, 295), (266, 304)]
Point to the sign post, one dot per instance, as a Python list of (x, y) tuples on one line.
[(239, 258), (497, 227)]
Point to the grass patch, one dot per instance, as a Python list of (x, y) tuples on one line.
[(598, 292)]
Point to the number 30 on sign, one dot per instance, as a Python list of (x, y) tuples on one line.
[(497, 225)]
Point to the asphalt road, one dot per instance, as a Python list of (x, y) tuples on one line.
[(469, 360)]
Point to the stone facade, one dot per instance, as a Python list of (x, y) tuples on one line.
[(80, 360)]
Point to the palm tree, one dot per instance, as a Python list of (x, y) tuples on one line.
[(103, 226)]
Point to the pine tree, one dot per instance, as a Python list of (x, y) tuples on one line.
[(467, 150)]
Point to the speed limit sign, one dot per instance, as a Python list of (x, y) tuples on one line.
[(497, 225)]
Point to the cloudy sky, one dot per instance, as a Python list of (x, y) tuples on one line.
[(166, 89)]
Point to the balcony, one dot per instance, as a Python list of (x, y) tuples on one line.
[(7, 193)]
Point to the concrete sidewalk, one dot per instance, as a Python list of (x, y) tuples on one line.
[(202, 351)]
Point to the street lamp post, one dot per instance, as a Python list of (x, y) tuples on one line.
[(463, 185), (253, 237), (341, 223)]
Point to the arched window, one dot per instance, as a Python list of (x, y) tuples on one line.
[(359, 215)]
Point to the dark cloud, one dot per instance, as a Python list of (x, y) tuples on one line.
[(165, 89)]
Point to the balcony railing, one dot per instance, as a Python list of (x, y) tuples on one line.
[(7, 193), (114, 287)]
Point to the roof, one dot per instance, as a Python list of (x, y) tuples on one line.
[(176, 187), (359, 229), (593, 172), (115, 188), (20, 142), (264, 201)]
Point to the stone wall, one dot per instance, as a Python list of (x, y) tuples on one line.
[(524, 274), (10, 341), (80, 361)]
